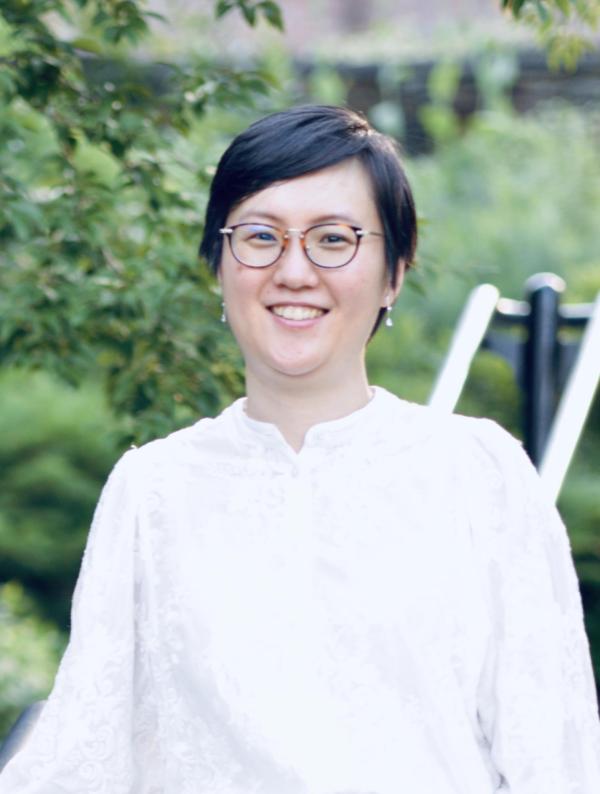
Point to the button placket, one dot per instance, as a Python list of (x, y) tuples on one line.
[(301, 528)]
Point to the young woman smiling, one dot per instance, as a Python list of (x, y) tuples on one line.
[(325, 589), (302, 328)]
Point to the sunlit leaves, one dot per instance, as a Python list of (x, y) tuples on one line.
[(252, 10), (565, 27), (100, 210)]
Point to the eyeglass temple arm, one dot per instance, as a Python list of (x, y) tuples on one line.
[(358, 232)]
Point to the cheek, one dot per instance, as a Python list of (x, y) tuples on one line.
[(364, 292), (237, 282)]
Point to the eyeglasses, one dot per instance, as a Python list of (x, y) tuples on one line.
[(327, 245)]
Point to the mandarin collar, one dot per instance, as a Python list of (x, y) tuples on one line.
[(257, 434)]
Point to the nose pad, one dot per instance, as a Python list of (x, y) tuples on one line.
[(290, 235), (294, 266), (288, 244)]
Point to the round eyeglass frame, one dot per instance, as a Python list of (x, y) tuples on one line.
[(358, 231)]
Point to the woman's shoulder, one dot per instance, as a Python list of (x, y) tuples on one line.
[(188, 446), (478, 438), (484, 460)]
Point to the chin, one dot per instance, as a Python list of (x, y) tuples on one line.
[(294, 370), (293, 366), (294, 362)]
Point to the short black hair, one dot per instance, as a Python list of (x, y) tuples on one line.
[(303, 139)]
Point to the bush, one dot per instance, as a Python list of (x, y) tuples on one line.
[(58, 445), (100, 205), (29, 652)]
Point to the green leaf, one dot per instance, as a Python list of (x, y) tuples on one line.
[(7, 83), (443, 81), (516, 6), (223, 7), (100, 17), (272, 14), (95, 160), (156, 15), (27, 219), (87, 44), (249, 12), (564, 6), (542, 12), (256, 84), (9, 39)]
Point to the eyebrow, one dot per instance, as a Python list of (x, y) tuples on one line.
[(331, 217)]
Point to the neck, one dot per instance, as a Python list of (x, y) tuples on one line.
[(294, 407)]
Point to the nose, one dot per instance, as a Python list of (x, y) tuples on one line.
[(294, 269)]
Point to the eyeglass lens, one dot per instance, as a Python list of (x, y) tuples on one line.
[(327, 245)]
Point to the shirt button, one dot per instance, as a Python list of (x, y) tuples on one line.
[(295, 471)]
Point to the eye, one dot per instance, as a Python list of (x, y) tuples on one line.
[(267, 236), (334, 238), (259, 235)]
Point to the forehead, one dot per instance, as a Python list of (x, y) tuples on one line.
[(341, 191)]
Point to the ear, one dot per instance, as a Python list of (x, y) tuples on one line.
[(393, 290)]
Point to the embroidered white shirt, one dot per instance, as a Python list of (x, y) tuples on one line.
[(393, 610)]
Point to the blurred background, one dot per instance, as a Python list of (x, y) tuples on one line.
[(113, 115)]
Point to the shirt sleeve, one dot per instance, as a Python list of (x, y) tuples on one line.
[(83, 739), (537, 702)]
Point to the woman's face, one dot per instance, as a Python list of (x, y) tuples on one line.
[(296, 320)]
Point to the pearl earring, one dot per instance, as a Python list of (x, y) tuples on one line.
[(223, 315), (388, 320)]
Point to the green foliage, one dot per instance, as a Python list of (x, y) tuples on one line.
[(29, 652), (387, 115), (58, 445), (101, 197), (559, 24), (251, 11), (438, 115), (325, 85)]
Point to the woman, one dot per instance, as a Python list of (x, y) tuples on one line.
[(325, 589)]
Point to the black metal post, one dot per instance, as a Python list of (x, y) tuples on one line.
[(539, 358), (540, 361)]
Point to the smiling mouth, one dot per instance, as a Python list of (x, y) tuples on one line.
[(297, 312)]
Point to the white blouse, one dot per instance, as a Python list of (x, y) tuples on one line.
[(392, 610)]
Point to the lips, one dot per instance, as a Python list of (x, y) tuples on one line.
[(297, 312)]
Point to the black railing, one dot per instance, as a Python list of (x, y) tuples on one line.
[(533, 337)]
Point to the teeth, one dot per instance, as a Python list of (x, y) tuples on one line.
[(297, 312)]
